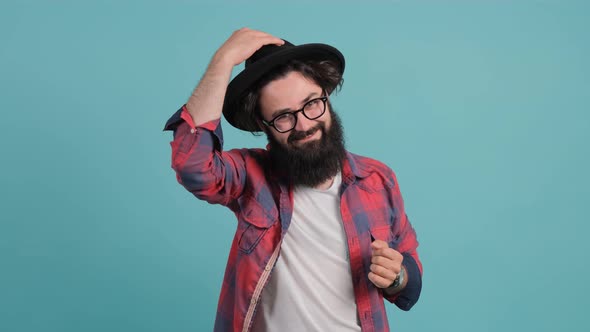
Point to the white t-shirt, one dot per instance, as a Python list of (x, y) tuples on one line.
[(311, 288)]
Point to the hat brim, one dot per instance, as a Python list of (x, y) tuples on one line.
[(234, 113)]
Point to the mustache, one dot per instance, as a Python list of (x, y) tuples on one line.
[(297, 135)]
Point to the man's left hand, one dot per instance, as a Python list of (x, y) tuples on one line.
[(386, 264)]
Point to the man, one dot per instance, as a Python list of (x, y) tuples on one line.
[(322, 235)]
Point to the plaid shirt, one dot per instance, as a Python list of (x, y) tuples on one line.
[(244, 180)]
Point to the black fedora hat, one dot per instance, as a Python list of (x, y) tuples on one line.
[(259, 64)]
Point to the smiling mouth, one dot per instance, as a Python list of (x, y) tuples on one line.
[(299, 138), (308, 137)]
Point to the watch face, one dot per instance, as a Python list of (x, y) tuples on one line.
[(395, 282), (398, 280)]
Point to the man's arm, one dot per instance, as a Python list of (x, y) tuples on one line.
[(388, 263), (197, 157), (206, 102), (405, 297)]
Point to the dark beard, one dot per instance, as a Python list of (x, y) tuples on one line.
[(312, 163)]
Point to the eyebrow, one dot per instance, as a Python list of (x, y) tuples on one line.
[(308, 98)]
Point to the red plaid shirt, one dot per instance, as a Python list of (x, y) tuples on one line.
[(244, 180)]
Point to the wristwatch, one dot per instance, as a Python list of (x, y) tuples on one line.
[(400, 279)]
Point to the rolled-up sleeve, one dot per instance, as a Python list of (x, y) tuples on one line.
[(199, 161)]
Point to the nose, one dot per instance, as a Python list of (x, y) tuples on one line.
[(303, 123)]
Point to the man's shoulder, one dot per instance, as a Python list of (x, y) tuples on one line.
[(372, 172), (370, 165)]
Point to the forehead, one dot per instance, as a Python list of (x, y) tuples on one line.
[(287, 92)]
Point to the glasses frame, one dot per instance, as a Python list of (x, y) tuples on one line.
[(271, 123)]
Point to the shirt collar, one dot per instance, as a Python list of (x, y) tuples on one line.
[(352, 168)]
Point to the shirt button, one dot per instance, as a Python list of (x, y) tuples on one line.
[(193, 130), (267, 268)]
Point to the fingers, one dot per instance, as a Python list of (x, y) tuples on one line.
[(392, 265), (380, 281), (381, 248), (379, 244), (262, 36), (384, 272), (386, 264), (242, 44), (259, 37)]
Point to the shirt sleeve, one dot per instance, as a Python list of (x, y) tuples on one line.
[(407, 246), (200, 163), (406, 299)]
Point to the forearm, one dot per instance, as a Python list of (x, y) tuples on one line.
[(408, 293), (405, 297), (206, 102), (198, 158)]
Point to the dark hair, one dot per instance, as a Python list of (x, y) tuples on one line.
[(326, 74)]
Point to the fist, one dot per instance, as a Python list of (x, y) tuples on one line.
[(386, 264)]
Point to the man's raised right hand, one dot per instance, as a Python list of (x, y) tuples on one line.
[(242, 44)]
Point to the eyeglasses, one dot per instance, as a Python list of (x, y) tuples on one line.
[(312, 110)]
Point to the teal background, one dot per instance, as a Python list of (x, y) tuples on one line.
[(480, 107)]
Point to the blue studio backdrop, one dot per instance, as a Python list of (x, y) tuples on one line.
[(480, 107)]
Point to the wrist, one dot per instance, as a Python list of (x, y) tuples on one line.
[(398, 284), (220, 63)]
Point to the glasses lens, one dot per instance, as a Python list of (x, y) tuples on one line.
[(285, 122), (314, 108)]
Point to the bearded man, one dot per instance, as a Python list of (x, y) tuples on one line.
[(322, 235)]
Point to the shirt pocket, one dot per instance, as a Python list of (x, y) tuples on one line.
[(254, 222)]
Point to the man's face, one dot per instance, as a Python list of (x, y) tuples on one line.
[(312, 152), (289, 94)]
